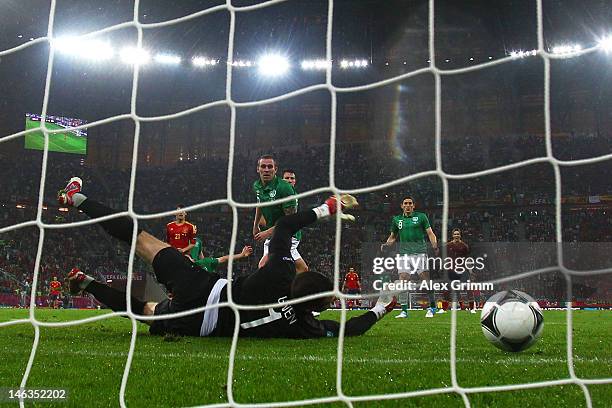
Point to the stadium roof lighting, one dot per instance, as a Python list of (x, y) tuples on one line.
[(203, 61), (523, 54), (242, 63), (471, 58), (357, 63), (132, 55), (273, 65), (168, 59), (606, 43), (317, 64), (566, 49), (83, 48)]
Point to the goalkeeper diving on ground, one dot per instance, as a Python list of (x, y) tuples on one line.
[(274, 283)]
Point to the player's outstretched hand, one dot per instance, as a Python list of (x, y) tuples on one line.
[(246, 251), (263, 235)]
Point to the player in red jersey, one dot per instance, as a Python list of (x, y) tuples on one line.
[(457, 248), (180, 233), (352, 285), (55, 290)]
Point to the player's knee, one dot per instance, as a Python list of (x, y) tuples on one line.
[(149, 308)]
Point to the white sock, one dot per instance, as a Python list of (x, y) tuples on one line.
[(322, 211), (379, 310), (78, 199)]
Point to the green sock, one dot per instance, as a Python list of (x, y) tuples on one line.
[(405, 308)]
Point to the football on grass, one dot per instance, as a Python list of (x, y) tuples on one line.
[(512, 320)]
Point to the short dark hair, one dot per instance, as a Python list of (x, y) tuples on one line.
[(408, 198), (288, 171), (455, 229), (266, 156), (310, 283), (180, 206)]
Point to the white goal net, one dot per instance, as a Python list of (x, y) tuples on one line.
[(434, 68)]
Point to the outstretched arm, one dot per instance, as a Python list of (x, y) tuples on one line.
[(246, 252), (432, 238), (356, 326), (390, 241)]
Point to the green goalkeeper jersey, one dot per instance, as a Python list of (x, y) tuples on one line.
[(276, 189), (411, 232)]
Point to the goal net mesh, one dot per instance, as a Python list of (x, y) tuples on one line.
[(444, 177)]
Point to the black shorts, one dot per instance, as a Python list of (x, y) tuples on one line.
[(190, 288), (53, 297), (353, 291)]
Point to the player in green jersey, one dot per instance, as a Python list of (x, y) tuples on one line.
[(270, 187), (410, 228), (210, 263)]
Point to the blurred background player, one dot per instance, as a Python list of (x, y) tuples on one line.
[(300, 264), (55, 290), (180, 233), (456, 248), (352, 286), (270, 187), (410, 228)]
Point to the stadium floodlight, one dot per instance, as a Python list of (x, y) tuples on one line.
[(273, 65), (168, 59), (344, 64), (133, 56), (606, 43), (95, 50)]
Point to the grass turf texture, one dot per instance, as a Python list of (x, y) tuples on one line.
[(66, 142), (395, 356)]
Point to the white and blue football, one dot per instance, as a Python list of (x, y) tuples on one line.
[(512, 320)]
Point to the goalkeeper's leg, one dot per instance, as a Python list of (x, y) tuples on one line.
[(111, 297), (147, 246), (280, 243)]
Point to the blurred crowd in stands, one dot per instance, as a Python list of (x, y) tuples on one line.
[(513, 206)]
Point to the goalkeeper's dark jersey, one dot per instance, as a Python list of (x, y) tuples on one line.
[(271, 285)]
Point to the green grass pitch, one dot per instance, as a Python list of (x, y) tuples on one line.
[(395, 356), (58, 142)]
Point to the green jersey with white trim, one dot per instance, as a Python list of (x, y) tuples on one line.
[(411, 232)]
